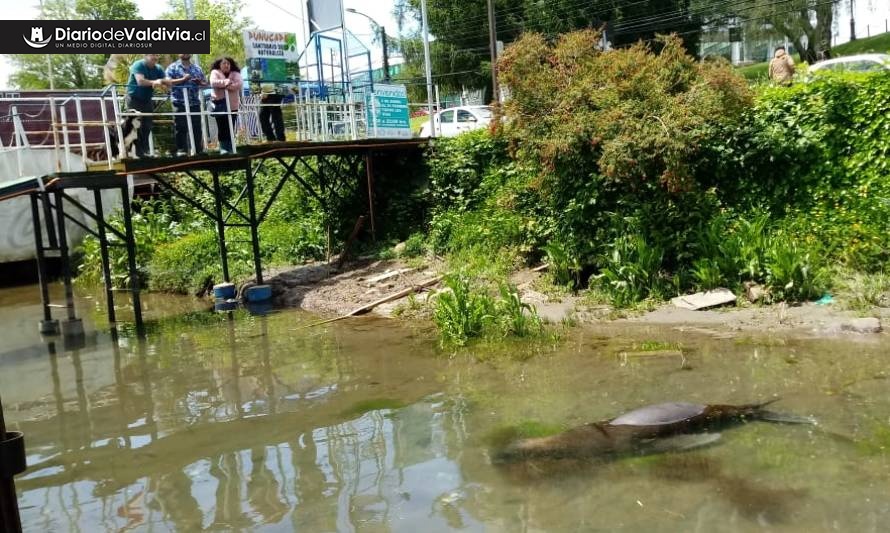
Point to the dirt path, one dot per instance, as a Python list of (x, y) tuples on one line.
[(320, 287)]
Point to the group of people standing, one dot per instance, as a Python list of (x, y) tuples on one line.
[(185, 80)]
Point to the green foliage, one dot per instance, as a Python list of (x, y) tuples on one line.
[(225, 30), (818, 154), (792, 271), (459, 165), (618, 140), (757, 72), (70, 71), (516, 317), (734, 251), (415, 245), (185, 264), (631, 271), (862, 292), (564, 268), (459, 35), (461, 313), (631, 116), (486, 216), (154, 223)]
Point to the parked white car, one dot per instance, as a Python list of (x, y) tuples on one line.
[(456, 120), (856, 63)]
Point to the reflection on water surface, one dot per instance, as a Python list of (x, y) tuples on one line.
[(251, 423)]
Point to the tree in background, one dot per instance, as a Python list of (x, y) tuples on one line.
[(70, 71), (806, 23), (226, 26), (460, 53)]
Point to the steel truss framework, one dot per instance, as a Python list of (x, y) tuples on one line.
[(336, 168)]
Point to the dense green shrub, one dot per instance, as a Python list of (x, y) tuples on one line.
[(184, 265), (818, 155), (154, 223)]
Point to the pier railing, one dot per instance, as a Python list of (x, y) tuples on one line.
[(90, 125)]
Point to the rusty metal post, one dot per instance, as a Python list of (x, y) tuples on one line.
[(369, 167)]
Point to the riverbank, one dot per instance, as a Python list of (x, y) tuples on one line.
[(322, 288)]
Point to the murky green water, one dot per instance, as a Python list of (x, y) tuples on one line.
[(254, 424)]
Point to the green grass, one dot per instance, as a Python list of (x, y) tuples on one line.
[(755, 72), (417, 123), (878, 43)]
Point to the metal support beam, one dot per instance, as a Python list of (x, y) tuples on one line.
[(369, 168), (97, 218), (217, 191), (50, 225), (288, 171), (167, 185), (63, 252), (220, 226), (254, 223), (48, 326), (131, 261), (103, 249)]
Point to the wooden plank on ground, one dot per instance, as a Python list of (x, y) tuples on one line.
[(704, 300)]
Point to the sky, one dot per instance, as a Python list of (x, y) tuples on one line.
[(287, 15)]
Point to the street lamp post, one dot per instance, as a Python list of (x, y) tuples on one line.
[(383, 43)]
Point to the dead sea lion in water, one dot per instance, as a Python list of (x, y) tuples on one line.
[(651, 429)]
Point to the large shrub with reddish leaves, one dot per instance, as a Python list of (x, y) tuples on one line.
[(617, 137), (631, 115)]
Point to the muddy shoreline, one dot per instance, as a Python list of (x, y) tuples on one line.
[(322, 288)]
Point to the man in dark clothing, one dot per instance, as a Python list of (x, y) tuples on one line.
[(271, 117), (190, 77), (145, 76)]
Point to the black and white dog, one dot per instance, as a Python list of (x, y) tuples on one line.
[(130, 130)]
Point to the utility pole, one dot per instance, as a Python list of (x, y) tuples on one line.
[(383, 43), (190, 14), (427, 66), (852, 21), (493, 44)]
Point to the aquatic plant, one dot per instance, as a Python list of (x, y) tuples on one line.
[(460, 312), (515, 316)]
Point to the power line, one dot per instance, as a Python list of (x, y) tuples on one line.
[(298, 17)]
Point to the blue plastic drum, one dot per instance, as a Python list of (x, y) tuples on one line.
[(259, 293), (224, 291)]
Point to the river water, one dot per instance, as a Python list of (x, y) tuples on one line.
[(236, 422)]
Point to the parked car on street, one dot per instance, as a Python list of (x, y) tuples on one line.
[(456, 120), (855, 63)]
